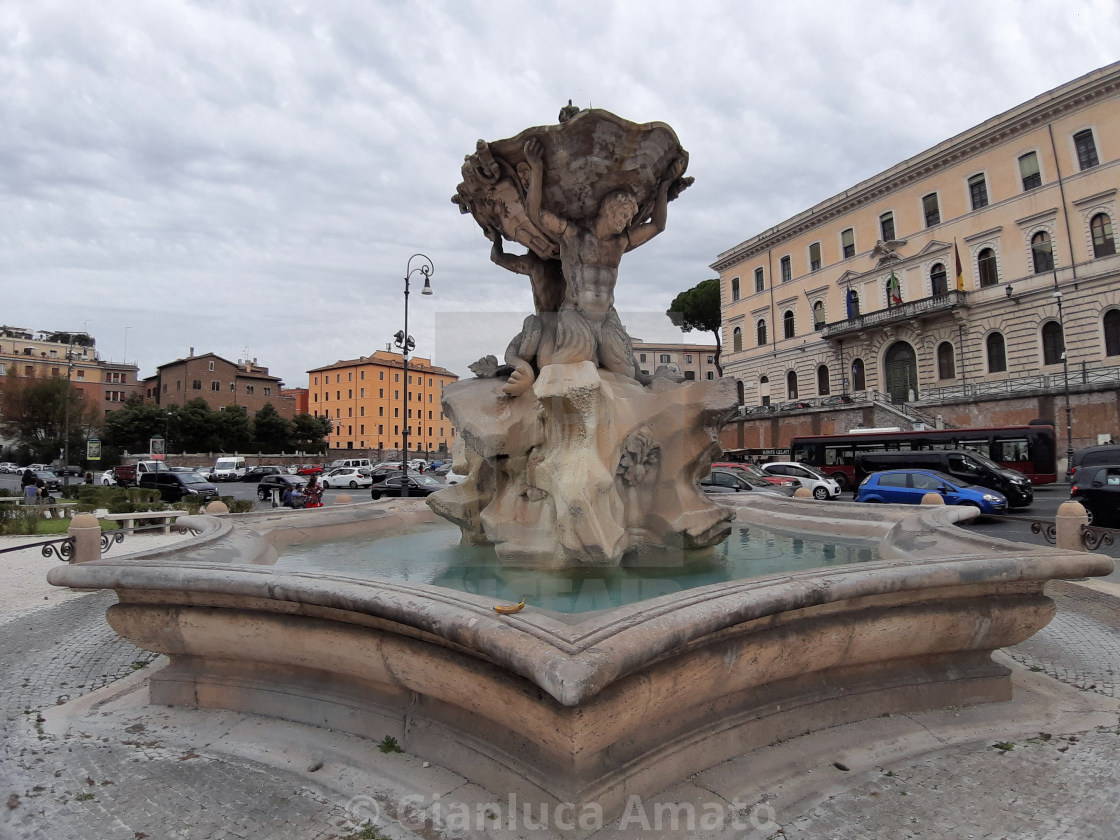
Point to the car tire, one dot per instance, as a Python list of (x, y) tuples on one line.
[(262, 496), (375, 495), (326, 486), (353, 485), (820, 493)]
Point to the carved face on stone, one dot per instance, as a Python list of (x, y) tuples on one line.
[(618, 211)]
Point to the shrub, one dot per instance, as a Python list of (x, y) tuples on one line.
[(19, 520)]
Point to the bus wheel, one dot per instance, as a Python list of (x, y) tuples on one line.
[(842, 480)]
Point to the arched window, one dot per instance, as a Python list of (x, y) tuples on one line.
[(1112, 332), (822, 380), (986, 267), (760, 331), (787, 323), (1104, 244), (997, 355), (737, 339), (1042, 252), (1052, 344), (791, 385), (858, 381), (734, 288), (938, 282), (764, 390), (946, 368), (818, 315)]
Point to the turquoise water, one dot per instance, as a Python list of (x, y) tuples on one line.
[(433, 554)]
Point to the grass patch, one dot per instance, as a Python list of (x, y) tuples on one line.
[(390, 745)]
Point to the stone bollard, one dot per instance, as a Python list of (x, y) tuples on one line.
[(1071, 516), (933, 499), (803, 493), (217, 508), (85, 530), (343, 499)]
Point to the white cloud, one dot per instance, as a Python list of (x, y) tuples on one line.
[(251, 179)]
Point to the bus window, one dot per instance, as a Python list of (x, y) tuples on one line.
[(1009, 450), (974, 445), (835, 456)]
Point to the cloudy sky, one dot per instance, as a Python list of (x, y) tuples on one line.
[(251, 178)]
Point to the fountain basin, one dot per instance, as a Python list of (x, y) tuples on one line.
[(591, 707)]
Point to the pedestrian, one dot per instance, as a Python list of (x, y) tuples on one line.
[(27, 478), (30, 493)]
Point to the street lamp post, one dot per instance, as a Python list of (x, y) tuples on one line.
[(66, 412), (405, 341), (1065, 370)]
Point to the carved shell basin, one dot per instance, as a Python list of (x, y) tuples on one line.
[(585, 159)]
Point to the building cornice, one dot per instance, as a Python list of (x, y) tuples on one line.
[(1035, 113)]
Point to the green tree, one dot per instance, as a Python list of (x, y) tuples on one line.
[(309, 433), (698, 308), (271, 432), (35, 410), (195, 427), (131, 427), (233, 428)]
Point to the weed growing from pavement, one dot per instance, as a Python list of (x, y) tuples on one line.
[(390, 745), (1004, 746), (367, 832)]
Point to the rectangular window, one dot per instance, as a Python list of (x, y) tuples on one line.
[(688, 358), (815, 256), (759, 281), (664, 358), (215, 386), (1086, 149), (848, 242), (734, 288), (1028, 170), (978, 191), (642, 357), (787, 269), (886, 226), (267, 391)]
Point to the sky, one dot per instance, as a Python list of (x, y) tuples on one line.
[(252, 178)]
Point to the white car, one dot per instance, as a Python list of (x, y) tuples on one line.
[(9, 467), (820, 484), (107, 478), (352, 477), (453, 478)]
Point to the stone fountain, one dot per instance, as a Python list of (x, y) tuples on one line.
[(575, 457)]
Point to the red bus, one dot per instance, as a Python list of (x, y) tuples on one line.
[(1028, 449)]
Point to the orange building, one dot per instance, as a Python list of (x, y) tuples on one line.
[(364, 398)]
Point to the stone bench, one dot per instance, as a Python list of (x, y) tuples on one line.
[(159, 517)]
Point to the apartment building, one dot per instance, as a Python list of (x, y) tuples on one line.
[(220, 382), (364, 398), (692, 361)]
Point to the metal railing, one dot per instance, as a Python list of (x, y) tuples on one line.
[(900, 312)]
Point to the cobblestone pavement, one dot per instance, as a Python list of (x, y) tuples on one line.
[(80, 788), (132, 786)]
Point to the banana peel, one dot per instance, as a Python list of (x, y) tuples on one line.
[(509, 609)]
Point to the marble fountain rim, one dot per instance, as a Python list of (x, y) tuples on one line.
[(571, 658)]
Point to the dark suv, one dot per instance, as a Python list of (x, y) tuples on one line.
[(174, 487), (1098, 489), (1092, 456)]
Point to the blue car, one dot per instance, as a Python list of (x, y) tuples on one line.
[(906, 487)]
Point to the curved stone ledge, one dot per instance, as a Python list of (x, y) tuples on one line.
[(594, 706)]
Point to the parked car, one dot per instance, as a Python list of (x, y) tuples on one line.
[(280, 483), (907, 487), (49, 479), (175, 486), (352, 477), (8, 467), (821, 485), (128, 475), (108, 478), (758, 472), (963, 465), (309, 469), (257, 473), (229, 468), (418, 485), (66, 469), (452, 478), (1098, 489), (38, 467), (1092, 456), (733, 481), (384, 471)]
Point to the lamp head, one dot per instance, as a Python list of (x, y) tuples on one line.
[(1009, 290), (427, 290)]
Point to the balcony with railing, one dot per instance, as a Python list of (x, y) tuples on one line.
[(895, 314)]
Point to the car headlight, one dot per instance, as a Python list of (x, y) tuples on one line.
[(988, 497)]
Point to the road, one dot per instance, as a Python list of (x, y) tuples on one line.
[(1016, 526)]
